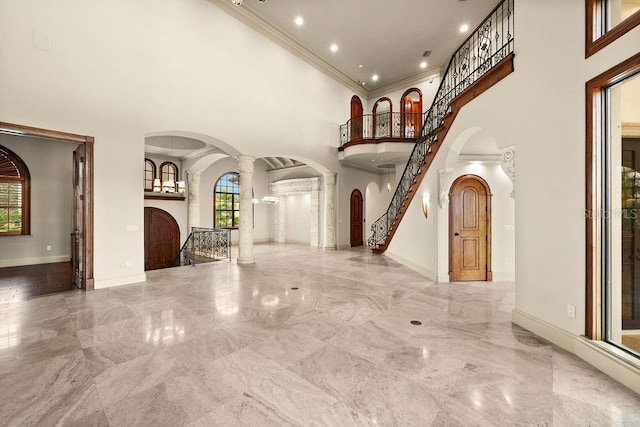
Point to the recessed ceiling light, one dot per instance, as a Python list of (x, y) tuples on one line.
[(360, 66), (375, 77), (423, 64), (299, 21), (364, 83), (334, 47), (464, 28)]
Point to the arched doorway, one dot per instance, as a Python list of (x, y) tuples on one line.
[(470, 230), (356, 118), (411, 113), (161, 239), (356, 218), (382, 110)]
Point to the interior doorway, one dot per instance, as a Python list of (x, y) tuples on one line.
[(81, 265), (470, 230), (161, 239), (356, 218)]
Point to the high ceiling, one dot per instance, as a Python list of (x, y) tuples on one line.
[(385, 37)]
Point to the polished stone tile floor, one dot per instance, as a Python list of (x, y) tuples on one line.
[(303, 337)]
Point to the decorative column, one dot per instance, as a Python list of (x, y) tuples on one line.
[(193, 178), (279, 218), (508, 164), (245, 246), (329, 210), (315, 216)]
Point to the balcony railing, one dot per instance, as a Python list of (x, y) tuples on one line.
[(381, 126)]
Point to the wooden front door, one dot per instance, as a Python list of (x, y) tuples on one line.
[(469, 229), (356, 218), (161, 239)]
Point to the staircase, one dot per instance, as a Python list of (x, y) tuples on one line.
[(485, 58), (205, 245)]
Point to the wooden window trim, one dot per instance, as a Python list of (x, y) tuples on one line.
[(596, 36), (154, 172), (25, 180), (175, 170), (594, 127)]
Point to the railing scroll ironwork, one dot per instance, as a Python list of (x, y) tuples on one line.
[(490, 42), (206, 245)]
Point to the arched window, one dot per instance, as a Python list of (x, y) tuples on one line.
[(149, 174), (168, 177), (15, 194), (226, 201)]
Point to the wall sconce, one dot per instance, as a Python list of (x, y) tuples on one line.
[(156, 186), (425, 203)]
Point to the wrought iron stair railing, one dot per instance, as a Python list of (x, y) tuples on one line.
[(488, 45), (205, 245)]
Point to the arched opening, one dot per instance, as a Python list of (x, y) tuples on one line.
[(470, 229), (382, 110), (356, 118), (356, 218), (411, 113)]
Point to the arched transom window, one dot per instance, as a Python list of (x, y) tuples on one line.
[(226, 201), (149, 174), (14, 194)]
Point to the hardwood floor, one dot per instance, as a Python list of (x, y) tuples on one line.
[(20, 283)]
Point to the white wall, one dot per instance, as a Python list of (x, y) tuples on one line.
[(631, 100), (298, 218), (119, 70), (50, 165), (428, 88)]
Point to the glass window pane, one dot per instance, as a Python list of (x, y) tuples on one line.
[(15, 220), (4, 220), (4, 194)]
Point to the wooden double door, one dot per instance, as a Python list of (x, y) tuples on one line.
[(161, 239), (470, 230)]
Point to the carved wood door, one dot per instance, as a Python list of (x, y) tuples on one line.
[(469, 230), (356, 218), (161, 239), (356, 118)]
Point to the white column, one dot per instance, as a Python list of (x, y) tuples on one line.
[(193, 178), (329, 210), (245, 246), (279, 217), (315, 218)]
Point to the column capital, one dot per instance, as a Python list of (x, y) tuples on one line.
[(329, 178), (245, 163), (193, 175)]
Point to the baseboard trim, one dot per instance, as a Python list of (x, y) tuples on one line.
[(608, 359), (119, 281), (429, 274), (34, 261)]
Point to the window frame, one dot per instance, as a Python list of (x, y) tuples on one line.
[(153, 173), (597, 36), (25, 180), (234, 212), (176, 171), (595, 135)]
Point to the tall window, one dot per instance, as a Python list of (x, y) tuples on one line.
[(168, 172), (149, 174), (14, 194), (226, 201), (613, 207)]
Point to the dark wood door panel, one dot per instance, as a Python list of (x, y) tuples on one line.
[(161, 239)]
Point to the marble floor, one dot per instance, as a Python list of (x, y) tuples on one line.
[(303, 337)]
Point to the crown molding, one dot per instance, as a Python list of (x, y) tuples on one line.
[(254, 21), (429, 73)]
